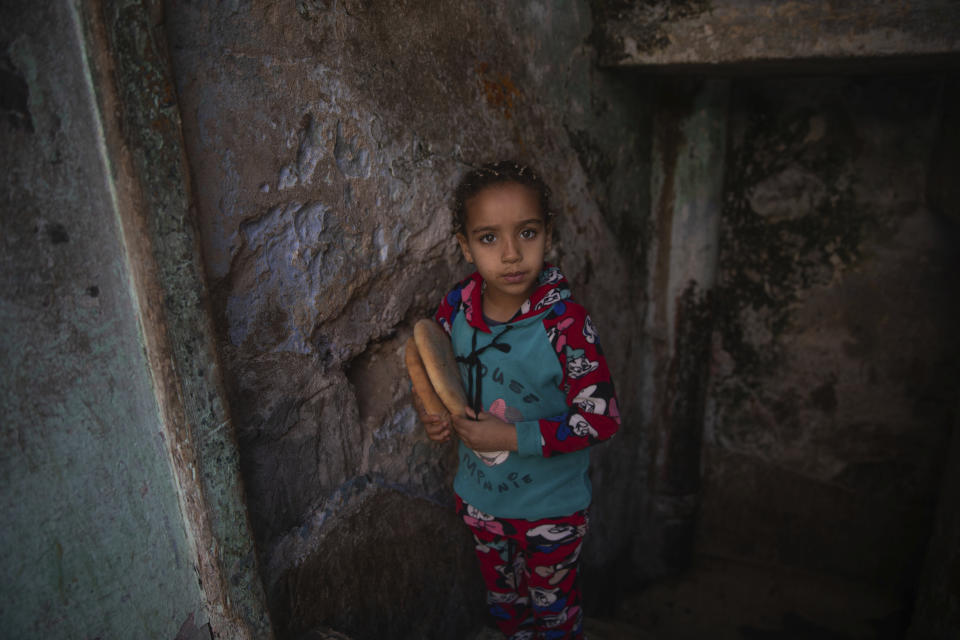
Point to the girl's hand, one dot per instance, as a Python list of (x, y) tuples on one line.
[(436, 426), (485, 432)]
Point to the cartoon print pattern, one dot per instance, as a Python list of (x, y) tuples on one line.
[(460, 298), (593, 414), (530, 569), (500, 409)]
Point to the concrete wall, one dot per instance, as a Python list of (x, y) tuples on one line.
[(751, 34), (123, 511), (937, 612), (938, 601), (835, 359), (801, 360), (93, 543), (810, 430), (325, 139)]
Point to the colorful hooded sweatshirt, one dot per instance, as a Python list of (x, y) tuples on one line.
[(545, 372)]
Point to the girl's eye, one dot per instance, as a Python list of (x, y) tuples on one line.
[(528, 234), (487, 238)]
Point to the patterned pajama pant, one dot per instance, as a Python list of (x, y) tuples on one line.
[(530, 569)]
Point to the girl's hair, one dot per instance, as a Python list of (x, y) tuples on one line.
[(493, 173)]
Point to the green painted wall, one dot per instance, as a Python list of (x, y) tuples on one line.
[(93, 544)]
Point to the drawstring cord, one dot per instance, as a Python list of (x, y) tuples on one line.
[(474, 367)]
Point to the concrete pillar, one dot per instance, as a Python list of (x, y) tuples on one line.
[(686, 195)]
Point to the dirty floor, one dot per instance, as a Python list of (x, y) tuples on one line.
[(724, 600)]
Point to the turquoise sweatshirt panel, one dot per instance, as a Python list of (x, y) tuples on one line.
[(518, 385)]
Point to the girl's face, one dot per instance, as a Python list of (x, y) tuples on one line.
[(506, 237)]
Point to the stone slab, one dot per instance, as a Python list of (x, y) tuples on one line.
[(744, 32)]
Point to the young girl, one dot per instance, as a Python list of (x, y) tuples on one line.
[(541, 395)]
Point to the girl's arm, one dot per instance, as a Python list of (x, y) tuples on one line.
[(592, 414)]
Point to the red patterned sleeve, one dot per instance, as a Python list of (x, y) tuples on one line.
[(592, 414)]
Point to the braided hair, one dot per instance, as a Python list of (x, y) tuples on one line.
[(494, 173)]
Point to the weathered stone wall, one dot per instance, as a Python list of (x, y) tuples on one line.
[(835, 354), (325, 139)]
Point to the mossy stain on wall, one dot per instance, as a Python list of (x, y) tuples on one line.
[(791, 221)]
